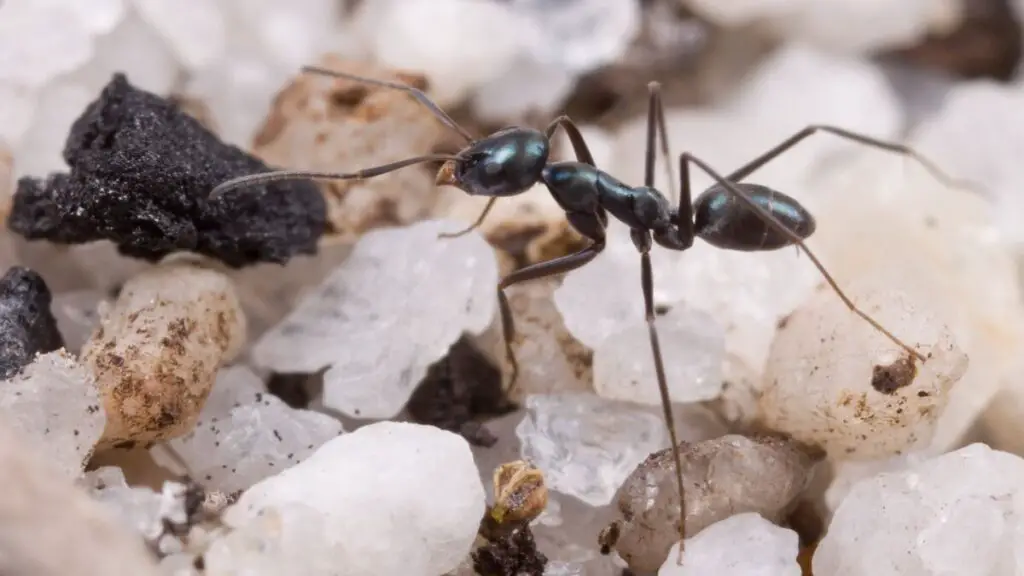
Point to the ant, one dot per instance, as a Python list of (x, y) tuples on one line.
[(730, 215)]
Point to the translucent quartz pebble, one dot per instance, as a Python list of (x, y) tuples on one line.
[(834, 381), (139, 508), (77, 314), (393, 308), (54, 404), (39, 41), (724, 476), (692, 347), (741, 545), (245, 434), (549, 358), (385, 487), (286, 539), (586, 445), (958, 513), (194, 29)]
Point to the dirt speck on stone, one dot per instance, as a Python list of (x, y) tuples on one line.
[(890, 378)]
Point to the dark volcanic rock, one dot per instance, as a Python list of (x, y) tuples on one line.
[(27, 327), (457, 391), (141, 174)]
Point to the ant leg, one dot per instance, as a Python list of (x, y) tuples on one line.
[(579, 145), (587, 224), (655, 124), (281, 175), (479, 221), (416, 93), (901, 149), (795, 239), (642, 241)]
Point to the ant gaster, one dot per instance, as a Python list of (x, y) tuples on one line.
[(730, 215)]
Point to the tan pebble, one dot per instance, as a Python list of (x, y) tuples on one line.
[(327, 124), (157, 350)]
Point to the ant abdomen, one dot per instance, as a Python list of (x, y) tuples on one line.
[(505, 163), (724, 221)]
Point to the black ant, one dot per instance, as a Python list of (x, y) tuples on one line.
[(729, 215)]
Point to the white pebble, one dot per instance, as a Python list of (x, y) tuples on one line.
[(458, 45), (959, 513), (384, 488), (741, 545), (842, 25), (692, 348), (194, 29), (526, 87), (244, 434), (585, 445), (54, 404), (139, 508), (98, 17), (581, 35), (39, 41), (834, 381), (17, 107), (393, 308), (286, 539), (41, 148), (994, 114), (136, 50)]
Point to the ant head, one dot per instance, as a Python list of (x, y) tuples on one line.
[(505, 163)]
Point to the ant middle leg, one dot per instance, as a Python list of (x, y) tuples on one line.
[(589, 225), (796, 240), (655, 125), (579, 145), (904, 150)]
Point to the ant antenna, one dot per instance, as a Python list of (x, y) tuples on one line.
[(414, 92), (268, 177)]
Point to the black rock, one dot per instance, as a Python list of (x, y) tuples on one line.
[(457, 390), (27, 327), (513, 555), (141, 174)]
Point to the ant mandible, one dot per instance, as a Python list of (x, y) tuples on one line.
[(730, 215)]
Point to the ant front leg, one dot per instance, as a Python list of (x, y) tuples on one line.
[(590, 225), (474, 226), (901, 149)]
